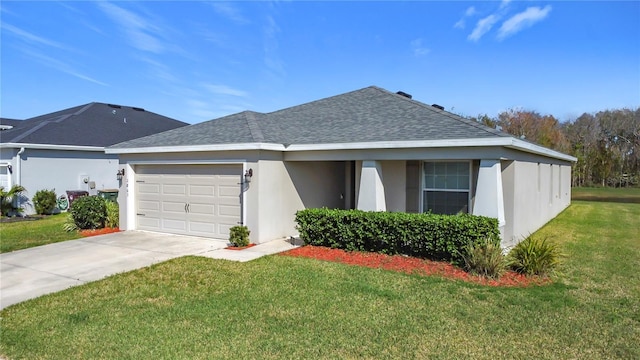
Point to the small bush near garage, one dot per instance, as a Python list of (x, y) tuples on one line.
[(438, 237), (113, 214), (535, 255), (239, 236), (45, 201), (89, 212)]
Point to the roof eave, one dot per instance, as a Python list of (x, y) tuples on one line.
[(196, 148), (539, 150), (51, 147), (507, 142)]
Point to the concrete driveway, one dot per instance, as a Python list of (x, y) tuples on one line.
[(29, 273)]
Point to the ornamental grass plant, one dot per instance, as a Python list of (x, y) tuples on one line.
[(535, 255), (484, 258)]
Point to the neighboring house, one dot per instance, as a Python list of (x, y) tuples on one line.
[(369, 149), (64, 150)]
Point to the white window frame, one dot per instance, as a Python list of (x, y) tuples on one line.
[(423, 188)]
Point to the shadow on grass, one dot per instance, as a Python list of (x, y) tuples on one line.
[(614, 199)]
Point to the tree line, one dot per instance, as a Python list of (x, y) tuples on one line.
[(606, 143)]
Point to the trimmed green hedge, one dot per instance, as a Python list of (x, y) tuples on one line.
[(438, 237)]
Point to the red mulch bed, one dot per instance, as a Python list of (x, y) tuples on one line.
[(87, 233), (411, 265)]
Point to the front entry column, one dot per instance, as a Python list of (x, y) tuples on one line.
[(371, 191), (489, 197)]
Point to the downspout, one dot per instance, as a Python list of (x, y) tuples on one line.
[(18, 167), (19, 171)]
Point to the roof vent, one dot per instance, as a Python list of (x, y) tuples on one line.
[(438, 106), (114, 106), (404, 94), (137, 109)]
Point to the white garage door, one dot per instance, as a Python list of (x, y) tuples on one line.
[(200, 200)]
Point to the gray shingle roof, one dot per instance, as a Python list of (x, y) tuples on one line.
[(93, 124), (371, 114)]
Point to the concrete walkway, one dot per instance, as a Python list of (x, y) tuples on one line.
[(30, 273)]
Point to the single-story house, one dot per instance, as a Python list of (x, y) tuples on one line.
[(369, 149), (64, 150)]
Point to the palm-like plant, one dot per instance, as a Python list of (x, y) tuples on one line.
[(7, 197)]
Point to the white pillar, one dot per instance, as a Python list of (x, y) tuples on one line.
[(489, 197), (371, 192)]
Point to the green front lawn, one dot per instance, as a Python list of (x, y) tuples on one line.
[(283, 307), (26, 234)]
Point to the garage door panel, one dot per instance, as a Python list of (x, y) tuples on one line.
[(174, 225), (202, 209), (149, 205), (145, 223), (173, 207), (174, 189), (228, 191), (202, 227), (212, 193), (227, 210), (145, 188), (202, 190)]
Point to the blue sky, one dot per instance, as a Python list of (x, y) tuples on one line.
[(197, 60)]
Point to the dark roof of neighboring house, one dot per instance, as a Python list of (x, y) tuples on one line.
[(371, 114), (93, 124), (11, 122)]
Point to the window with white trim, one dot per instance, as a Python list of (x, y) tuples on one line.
[(446, 187)]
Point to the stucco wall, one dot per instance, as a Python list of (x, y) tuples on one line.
[(277, 190), (534, 193), (394, 179), (63, 170)]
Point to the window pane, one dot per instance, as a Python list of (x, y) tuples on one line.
[(463, 168), (448, 203), (446, 175), (429, 181)]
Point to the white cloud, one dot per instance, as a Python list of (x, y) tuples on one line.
[(460, 24), (483, 26), (141, 33), (274, 64), (470, 11), (523, 20), (224, 90), (504, 3), (418, 48), (32, 38), (61, 66), (229, 11)]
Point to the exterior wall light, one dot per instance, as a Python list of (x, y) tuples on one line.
[(247, 175), (120, 174)]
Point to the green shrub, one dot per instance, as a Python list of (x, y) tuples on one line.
[(484, 258), (535, 256), (89, 212), (439, 237), (45, 201), (113, 215), (239, 236)]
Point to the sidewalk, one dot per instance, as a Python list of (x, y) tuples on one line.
[(254, 252)]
